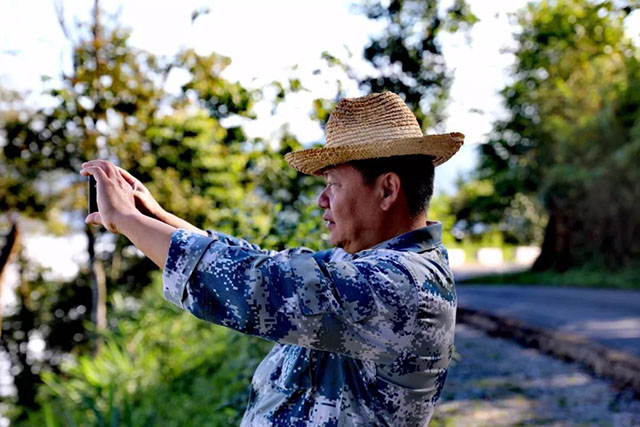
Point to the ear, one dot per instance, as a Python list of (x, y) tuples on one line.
[(389, 189)]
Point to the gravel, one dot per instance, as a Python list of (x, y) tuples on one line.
[(495, 382)]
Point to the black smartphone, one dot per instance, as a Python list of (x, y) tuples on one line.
[(93, 199)]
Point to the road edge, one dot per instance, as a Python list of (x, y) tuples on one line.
[(622, 369)]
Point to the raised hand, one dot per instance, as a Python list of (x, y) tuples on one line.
[(116, 196)]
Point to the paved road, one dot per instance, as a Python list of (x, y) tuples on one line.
[(610, 317), (495, 382)]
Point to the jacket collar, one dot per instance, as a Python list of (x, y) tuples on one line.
[(419, 240)]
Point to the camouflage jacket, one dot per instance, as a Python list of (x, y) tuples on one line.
[(362, 339)]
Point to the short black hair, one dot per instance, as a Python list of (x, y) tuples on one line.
[(416, 176)]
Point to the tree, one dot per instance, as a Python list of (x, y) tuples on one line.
[(571, 138), (112, 105), (407, 54)]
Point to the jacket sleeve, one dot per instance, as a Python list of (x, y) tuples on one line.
[(363, 308), (236, 241)]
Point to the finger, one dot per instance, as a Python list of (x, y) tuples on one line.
[(97, 172), (127, 176), (105, 165), (94, 218), (95, 162)]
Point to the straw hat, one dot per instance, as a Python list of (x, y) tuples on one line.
[(373, 126)]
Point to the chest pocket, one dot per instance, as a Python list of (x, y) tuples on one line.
[(293, 370)]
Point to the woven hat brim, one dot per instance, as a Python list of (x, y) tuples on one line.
[(312, 160)]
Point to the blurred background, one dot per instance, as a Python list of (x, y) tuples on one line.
[(201, 100)]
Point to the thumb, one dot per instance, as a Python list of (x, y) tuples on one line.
[(94, 218)]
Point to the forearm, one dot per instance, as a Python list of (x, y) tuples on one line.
[(149, 235), (176, 222)]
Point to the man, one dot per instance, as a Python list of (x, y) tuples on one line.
[(364, 332)]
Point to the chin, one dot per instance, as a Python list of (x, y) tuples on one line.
[(337, 243)]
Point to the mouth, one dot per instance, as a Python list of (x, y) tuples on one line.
[(328, 222)]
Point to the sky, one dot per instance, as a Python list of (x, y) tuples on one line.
[(283, 35)]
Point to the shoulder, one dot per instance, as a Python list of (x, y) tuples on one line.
[(426, 270), (389, 274), (433, 274)]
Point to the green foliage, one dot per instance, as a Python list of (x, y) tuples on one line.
[(574, 109), (48, 310), (322, 108), (197, 169), (113, 106), (156, 360), (478, 208), (408, 56), (440, 210), (218, 96), (295, 219), (597, 276)]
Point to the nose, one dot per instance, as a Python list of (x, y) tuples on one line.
[(323, 199)]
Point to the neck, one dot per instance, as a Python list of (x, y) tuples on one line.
[(396, 228), (388, 228)]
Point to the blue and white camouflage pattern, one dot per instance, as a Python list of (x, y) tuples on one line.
[(362, 339)]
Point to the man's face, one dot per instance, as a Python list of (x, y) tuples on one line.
[(351, 208)]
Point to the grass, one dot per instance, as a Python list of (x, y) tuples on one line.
[(584, 277)]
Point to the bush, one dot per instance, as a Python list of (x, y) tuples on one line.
[(158, 365)]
